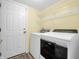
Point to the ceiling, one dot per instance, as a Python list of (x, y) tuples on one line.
[(38, 4)]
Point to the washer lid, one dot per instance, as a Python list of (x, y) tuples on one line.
[(66, 36)]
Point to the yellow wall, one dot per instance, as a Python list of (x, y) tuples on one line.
[(70, 20), (33, 21), (63, 7)]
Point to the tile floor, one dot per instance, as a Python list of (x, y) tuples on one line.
[(22, 56)]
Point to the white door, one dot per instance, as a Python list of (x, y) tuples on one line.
[(13, 27), (0, 23)]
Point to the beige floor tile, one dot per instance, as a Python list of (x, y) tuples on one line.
[(22, 56)]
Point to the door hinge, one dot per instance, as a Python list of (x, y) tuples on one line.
[(0, 4), (0, 29), (0, 54)]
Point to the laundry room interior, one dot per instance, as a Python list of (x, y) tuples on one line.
[(39, 29)]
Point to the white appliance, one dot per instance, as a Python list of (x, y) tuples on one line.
[(35, 45), (59, 38), (62, 39)]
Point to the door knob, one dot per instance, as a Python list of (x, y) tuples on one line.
[(24, 28), (24, 32)]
